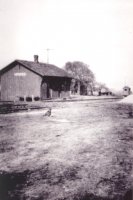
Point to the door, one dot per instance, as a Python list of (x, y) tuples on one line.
[(45, 91)]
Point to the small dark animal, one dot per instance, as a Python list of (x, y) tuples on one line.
[(48, 113)]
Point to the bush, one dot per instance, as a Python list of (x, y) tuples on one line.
[(21, 98), (29, 99), (36, 98)]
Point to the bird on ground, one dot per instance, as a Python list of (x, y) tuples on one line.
[(48, 113)]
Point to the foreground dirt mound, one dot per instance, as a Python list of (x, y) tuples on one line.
[(128, 99)]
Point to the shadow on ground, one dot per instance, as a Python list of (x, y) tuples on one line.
[(12, 185)]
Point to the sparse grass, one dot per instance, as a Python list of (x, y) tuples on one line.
[(82, 152)]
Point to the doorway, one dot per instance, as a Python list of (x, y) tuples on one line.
[(45, 91)]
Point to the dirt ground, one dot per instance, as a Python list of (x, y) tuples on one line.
[(83, 151)]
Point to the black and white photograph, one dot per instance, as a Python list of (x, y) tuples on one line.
[(66, 99)]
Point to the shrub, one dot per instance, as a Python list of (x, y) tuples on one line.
[(36, 98), (21, 98), (29, 99)]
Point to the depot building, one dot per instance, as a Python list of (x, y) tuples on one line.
[(31, 81)]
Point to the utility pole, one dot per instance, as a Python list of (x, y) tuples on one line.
[(48, 54)]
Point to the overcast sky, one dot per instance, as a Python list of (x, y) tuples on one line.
[(97, 32)]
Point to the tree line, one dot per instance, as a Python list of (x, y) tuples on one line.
[(84, 82)]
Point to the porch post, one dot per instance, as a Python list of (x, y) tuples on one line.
[(50, 91), (78, 91)]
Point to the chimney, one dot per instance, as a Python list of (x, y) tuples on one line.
[(36, 58)]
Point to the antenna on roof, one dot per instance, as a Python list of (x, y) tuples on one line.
[(48, 54)]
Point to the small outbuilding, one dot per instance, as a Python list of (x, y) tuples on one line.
[(126, 91), (28, 81)]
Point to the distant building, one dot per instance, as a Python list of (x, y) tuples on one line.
[(126, 91), (28, 81), (105, 91)]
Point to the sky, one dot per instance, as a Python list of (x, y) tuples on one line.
[(96, 32)]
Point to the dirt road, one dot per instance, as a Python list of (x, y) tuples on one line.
[(83, 151)]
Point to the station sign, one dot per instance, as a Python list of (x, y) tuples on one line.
[(20, 74)]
